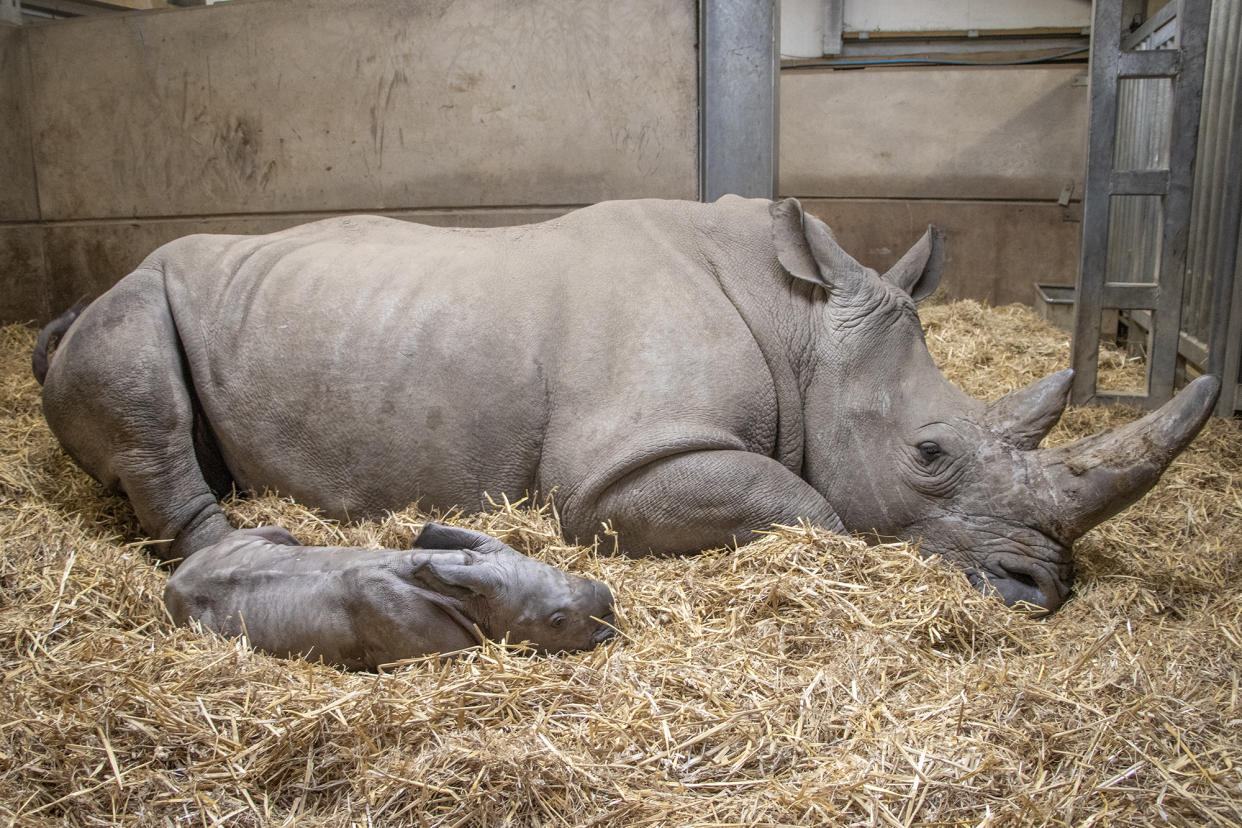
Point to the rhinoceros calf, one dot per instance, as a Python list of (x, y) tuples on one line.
[(685, 372), (360, 608)]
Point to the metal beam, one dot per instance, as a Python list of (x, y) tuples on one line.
[(739, 65), (1088, 296), (1224, 159), (1154, 63), (1193, 18), (1129, 296), (1139, 182), (834, 26)]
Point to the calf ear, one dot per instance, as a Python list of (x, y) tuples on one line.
[(437, 536), (918, 272), (448, 575), (806, 247)]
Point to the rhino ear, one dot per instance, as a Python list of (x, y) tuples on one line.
[(448, 574), (439, 536), (807, 249), (792, 251), (918, 272)]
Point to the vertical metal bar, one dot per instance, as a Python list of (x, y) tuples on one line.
[(834, 26), (11, 11), (1203, 272), (1200, 262), (739, 83), (1088, 295), (1230, 318), (1224, 223), (1192, 27)]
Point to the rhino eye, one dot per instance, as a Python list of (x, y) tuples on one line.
[(929, 451), (557, 621)]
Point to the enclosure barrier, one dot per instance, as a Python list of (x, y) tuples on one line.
[(1161, 210)]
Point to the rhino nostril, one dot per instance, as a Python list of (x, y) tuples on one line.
[(607, 627), (1017, 587), (1024, 579)]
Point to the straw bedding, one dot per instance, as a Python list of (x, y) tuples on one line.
[(804, 678)]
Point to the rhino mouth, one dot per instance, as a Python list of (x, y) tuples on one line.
[(1011, 561), (1022, 582), (607, 629)]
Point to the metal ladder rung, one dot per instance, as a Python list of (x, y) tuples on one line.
[(1139, 182)]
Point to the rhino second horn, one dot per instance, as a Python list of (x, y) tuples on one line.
[(1024, 417), (1098, 476)]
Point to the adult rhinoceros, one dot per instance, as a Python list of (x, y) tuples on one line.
[(687, 372)]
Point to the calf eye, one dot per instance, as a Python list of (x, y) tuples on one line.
[(557, 620), (929, 451)]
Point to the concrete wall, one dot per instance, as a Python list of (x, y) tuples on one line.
[(21, 250), (248, 117), (985, 153), (119, 133)]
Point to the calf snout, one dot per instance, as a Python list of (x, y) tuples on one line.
[(605, 612)]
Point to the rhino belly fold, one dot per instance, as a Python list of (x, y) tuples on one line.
[(361, 451)]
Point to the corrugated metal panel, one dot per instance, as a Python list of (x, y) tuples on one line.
[(1211, 338), (1214, 216), (1144, 129)]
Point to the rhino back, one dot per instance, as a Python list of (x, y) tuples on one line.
[(361, 363)]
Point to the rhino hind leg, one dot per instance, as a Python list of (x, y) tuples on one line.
[(119, 399)]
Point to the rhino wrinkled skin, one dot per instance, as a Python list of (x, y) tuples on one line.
[(687, 373), (360, 608)]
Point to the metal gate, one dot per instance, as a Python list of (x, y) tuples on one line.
[(1143, 193), (1145, 94)]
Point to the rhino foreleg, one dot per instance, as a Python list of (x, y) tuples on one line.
[(704, 499), (118, 397)]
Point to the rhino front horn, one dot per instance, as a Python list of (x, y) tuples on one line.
[(1098, 476)]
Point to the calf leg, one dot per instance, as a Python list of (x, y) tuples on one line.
[(118, 397), (700, 500)]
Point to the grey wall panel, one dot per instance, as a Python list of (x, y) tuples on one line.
[(364, 104), (24, 293), (18, 200), (996, 133), (995, 251), (249, 117)]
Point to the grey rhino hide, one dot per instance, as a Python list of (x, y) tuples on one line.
[(687, 373), (360, 608)]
